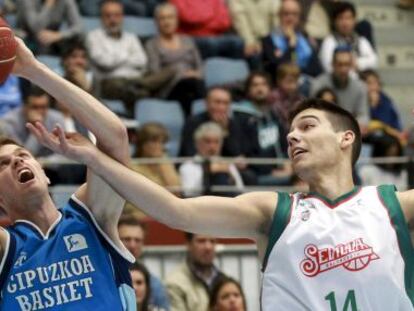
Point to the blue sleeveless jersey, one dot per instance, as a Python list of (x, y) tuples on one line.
[(75, 266)]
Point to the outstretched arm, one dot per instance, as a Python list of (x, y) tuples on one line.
[(110, 132), (248, 215)]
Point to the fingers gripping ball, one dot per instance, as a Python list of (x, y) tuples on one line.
[(7, 50)]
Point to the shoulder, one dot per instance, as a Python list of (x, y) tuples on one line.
[(179, 276)]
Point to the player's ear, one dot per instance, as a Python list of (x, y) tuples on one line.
[(347, 139)]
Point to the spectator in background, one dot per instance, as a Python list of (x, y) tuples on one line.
[(132, 234), (263, 127), (42, 22), (132, 7), (189, 285), (351, 92), (288, 44), (316, 18), (10, 95), (75, 65), (254, 20), (227, 295), (208, 21), (35, 108), (381, 105), (141, 283), (218, 104), (327, 94), (150, 143), (171, 49), (391, 173), (405, 4), (286, 96), (118, 57), (344, 34), (202, 172)]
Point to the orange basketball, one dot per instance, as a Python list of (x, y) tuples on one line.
[(7, 50)]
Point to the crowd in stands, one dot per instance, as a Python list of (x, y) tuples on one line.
[(292, 49)]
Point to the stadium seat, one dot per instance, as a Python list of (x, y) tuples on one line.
[(219, 70), (116, 106), (198, 106), (143, 27), (53, 62), (90, 23), (11, 20), (168, 113)]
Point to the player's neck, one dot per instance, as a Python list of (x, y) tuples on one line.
[(332, 186), (39, 210)]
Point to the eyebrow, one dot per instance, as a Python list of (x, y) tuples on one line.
[(19, 149), (306, 117)]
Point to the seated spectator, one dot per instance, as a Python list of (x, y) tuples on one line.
[(203, 172), (288, 44), (391, 173), (264, 129), (42, 22), (351, 92), (344, 34), (35, 108), (120, 59), (150, 141), (327, 94), (381, 105), (209, 22), (227, 295), (132, 7), (218, 104), (189, 285), (254, 20), (75, 65), (286, 96), (132, 234), (170, 49), (10, 95)]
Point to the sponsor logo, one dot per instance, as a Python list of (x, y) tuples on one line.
[(75, 242), (353, 256), (22, 258)]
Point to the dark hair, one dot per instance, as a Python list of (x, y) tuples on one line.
[(137, 266), (342, 7), (340, 119), (218, 87), (364, 75), (343, 48), (71, 46), (8, 141), (34, 91), (131, 220), (189, 236), (103, 2), (252, 76), (381, 146), (218, 285), (327, 89)]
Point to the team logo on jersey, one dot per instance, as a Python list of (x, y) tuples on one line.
[(353, 256), (21, 259), (75, 242)]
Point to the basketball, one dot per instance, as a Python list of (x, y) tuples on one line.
[(7, 50)]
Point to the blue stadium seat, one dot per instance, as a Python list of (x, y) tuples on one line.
[(220, 70), (198, 106), (168, 113), (143, 27), (11, 20), (115, 105), (53, 62), (90, 23)]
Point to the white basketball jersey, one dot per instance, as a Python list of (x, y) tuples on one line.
[(351, 254)]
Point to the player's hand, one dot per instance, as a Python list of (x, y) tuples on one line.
[(24, 59), (72, 145)]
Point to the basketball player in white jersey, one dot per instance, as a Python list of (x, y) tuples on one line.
[(339, 247), (72, 258)]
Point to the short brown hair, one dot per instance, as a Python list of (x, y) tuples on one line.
[(287, 70), (149, 132), (8, 141), (131, 220), (340, 119)]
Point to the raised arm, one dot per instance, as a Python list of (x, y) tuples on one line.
[(108, 129)]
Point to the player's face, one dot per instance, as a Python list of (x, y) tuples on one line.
[(140, 287), (313, 143), (133, 239), (202, 250), (229, 299), (20, 174)]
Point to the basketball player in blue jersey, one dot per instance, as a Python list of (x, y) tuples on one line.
[(338, 247), (71, 258)]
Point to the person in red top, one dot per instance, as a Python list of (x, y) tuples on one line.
[(209, 22)]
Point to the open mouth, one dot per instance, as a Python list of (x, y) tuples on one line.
[(25, 175)]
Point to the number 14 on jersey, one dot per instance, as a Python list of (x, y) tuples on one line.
[(349, 304)]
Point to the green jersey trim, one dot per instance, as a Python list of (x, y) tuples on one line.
[(337, 201), (279, 223), (391, 203)]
